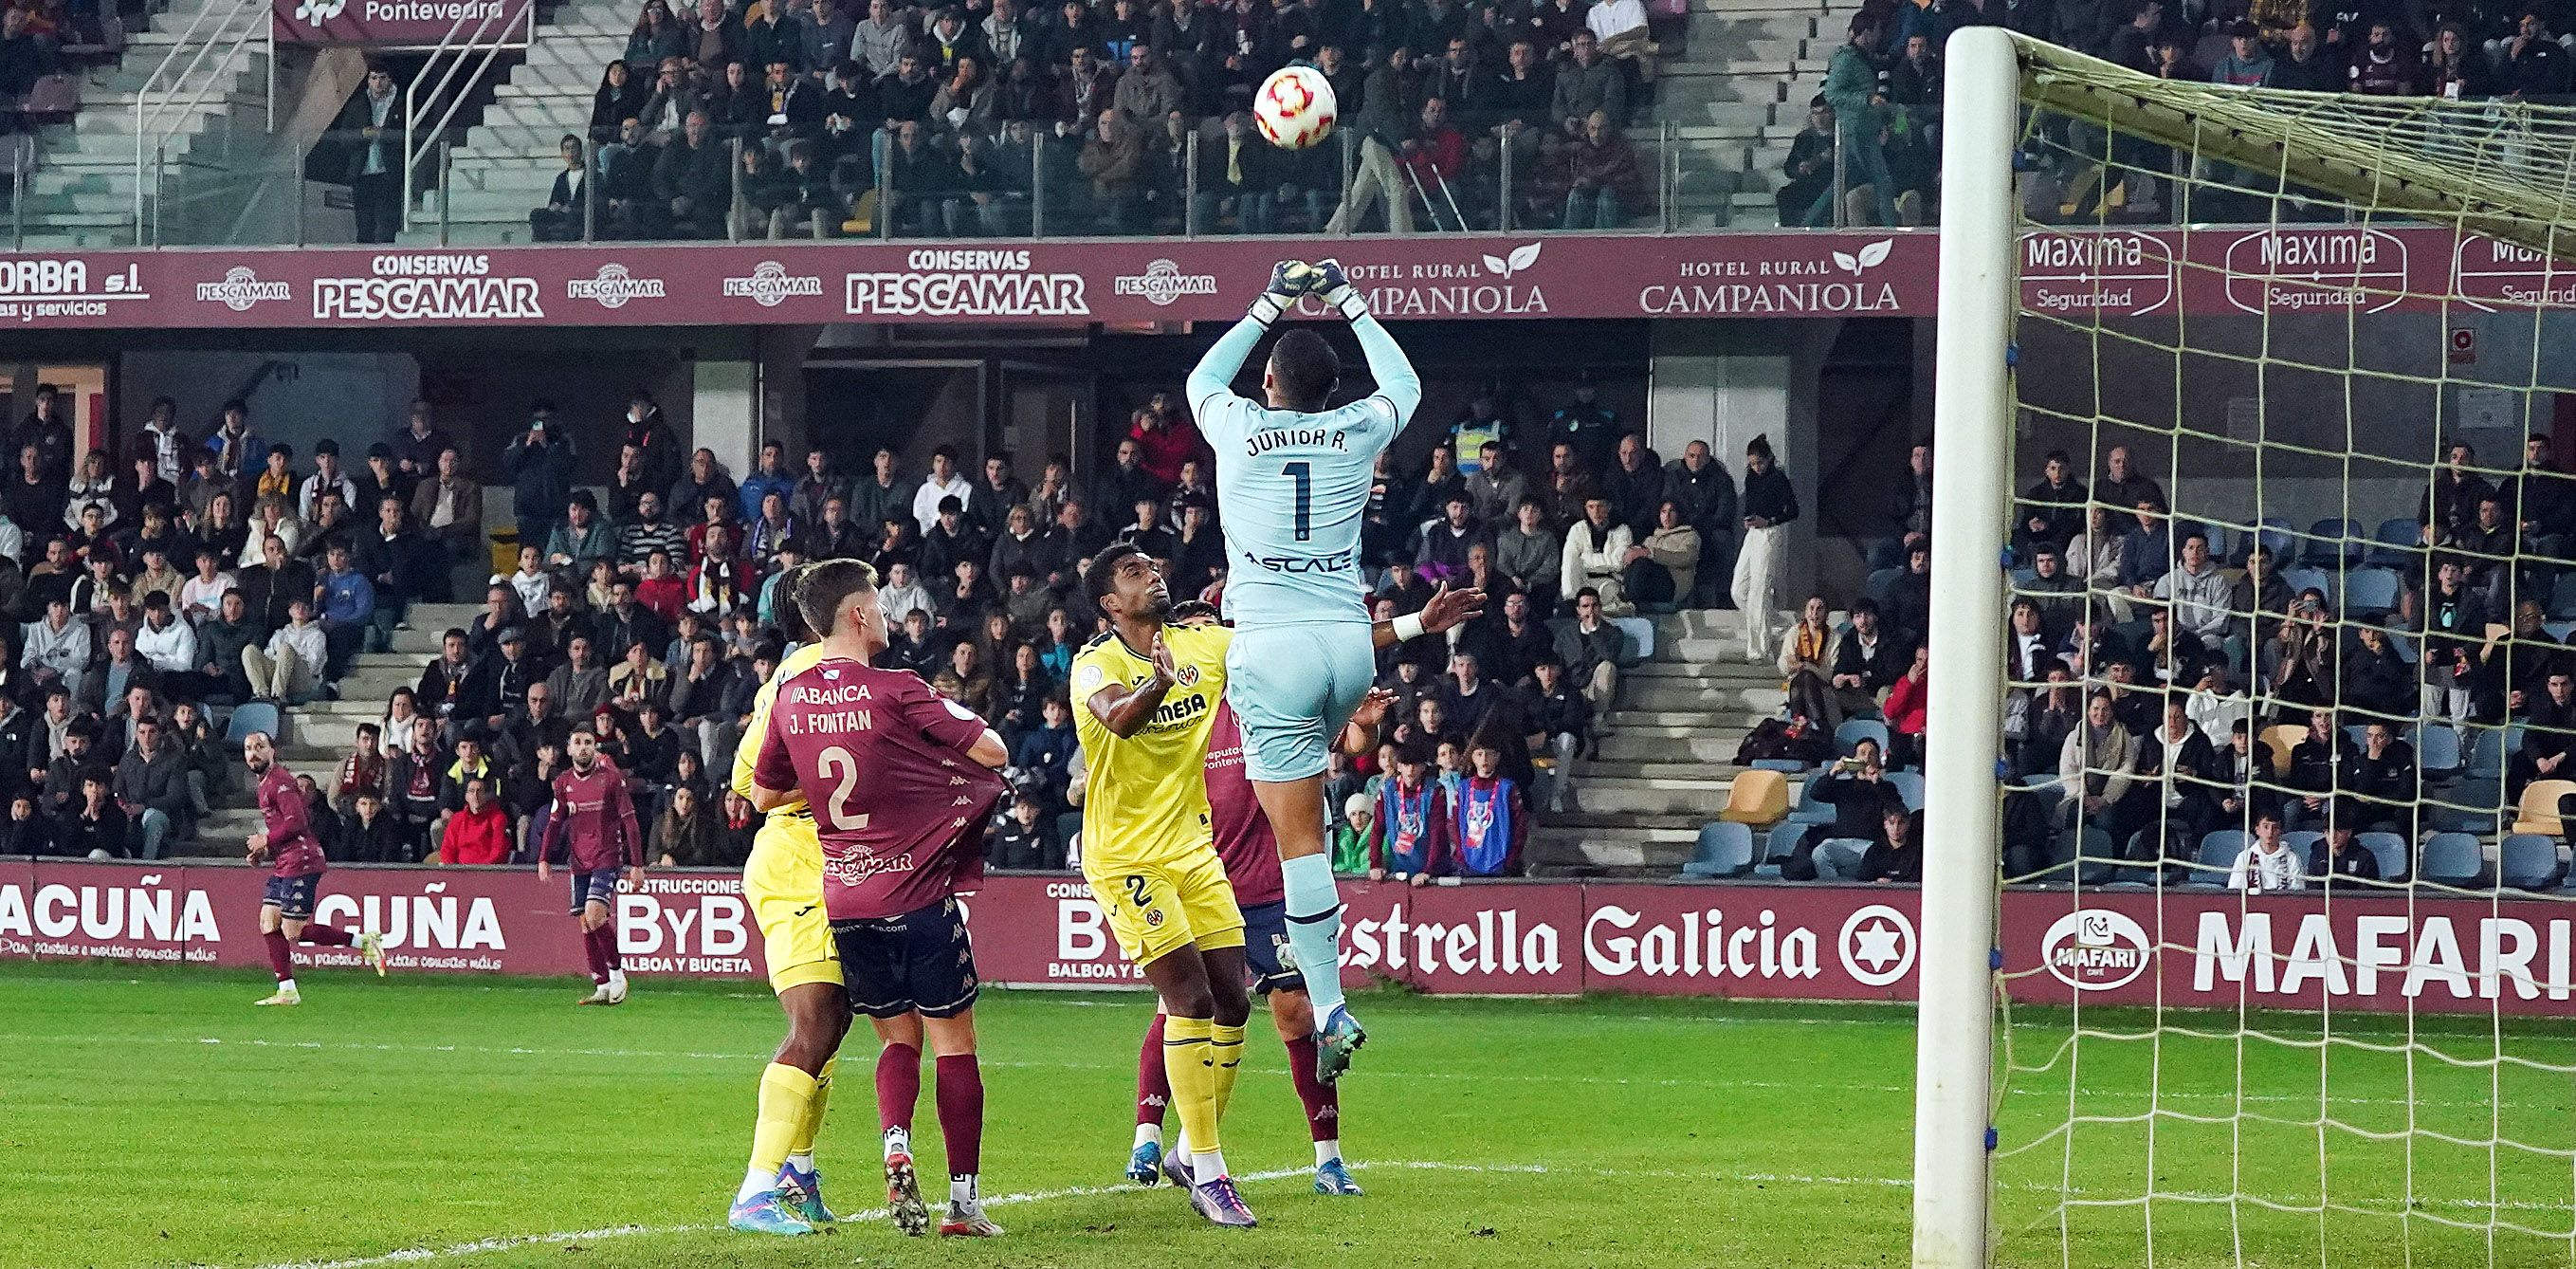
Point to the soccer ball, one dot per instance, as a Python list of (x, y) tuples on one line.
[(1294, 108)]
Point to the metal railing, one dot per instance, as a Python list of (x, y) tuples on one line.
[(489, 38), (221, 32)]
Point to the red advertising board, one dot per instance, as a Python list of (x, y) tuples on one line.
[(416, 23), (2116, 273)]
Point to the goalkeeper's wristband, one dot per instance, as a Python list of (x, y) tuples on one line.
[(1347, 301), (1409, 626), (1266, 309)]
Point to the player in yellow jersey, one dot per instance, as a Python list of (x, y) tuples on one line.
[(783, 882), (1146, 696)]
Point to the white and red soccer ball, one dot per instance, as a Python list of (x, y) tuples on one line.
[(1295, 107)]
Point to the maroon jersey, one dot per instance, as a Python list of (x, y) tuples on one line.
[(882, 759), (1244, 842), (289, 824), (593, 820)]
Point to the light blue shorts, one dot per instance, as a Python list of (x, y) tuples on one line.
[(1292, 688)]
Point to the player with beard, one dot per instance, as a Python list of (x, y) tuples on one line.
[(592, 827), (1250, 853), (902, 782), (782, 1192), (286, 842)]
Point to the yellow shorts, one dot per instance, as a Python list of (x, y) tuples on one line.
[(783, 881), (1157, 906)]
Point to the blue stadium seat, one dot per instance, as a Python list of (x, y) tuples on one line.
[(2369, 590), (1909, 785), (2558, 630), (1778, 844), (255, 716), (1641, 636), (2390, 850), (1853, 730), (1806, 805), (2273, 534), (1723, 850), (1788, 766), (2530, 862), (2218, 852), (2332, 542), (2305, 577), (1881, 584), (2398, 544), (2302, 843), (2470, 805), (2437, 749), (2095, 859), (2450, 859), (2562, 596)]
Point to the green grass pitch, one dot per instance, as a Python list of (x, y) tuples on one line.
[(163, 1120)]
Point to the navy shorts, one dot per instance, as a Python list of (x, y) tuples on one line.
[(293, 896), (1265, 949), (892, 966), (594, 887)]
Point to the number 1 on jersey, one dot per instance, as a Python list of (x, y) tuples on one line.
[(1303, 474)]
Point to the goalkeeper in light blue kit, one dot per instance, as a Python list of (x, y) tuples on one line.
[(1294, 479)]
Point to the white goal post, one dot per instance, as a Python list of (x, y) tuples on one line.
[(2449, 164)]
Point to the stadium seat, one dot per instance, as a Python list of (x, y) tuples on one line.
[(2390, 850), (2283, 737), (1807, 807), (2332, 542), (2133, 635), (2437, 750), (2273, 534), (2309, 577), (2398, 544), (2096, 859), (1785, 766), (2469, 806), (2562, 596), (2369, 590), (2302, 843), (1723, 850), (2558, 630), (1838, 858), (1759, 798), (255, 716), (1849, 735), (1777, 845), (1881, 584), (2218, 851), (2538, 810), (1641, 636), (1909, 785), (54, 97), (2529, 862), (2453, 859)]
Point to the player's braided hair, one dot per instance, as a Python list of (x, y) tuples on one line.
[(790, 611), (826, 586)]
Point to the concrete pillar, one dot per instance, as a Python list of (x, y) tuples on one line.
[(725, 412), (1728, 382)]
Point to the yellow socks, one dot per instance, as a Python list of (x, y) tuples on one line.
[(1225, 1053), (802, 1147), (1187, 1061), (787, 1101)]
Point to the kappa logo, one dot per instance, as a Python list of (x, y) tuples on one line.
[(770, 285), (613, 286), (241, 288), (1162, 283), (1504, 266)]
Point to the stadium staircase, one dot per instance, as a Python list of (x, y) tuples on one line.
[(506, 163), (80, 191), (1737, 98), (319, 734), (1668, 763)]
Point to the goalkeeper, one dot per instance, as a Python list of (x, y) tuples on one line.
[(1293, 477)]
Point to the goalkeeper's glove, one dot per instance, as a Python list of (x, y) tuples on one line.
[(1288, 280), (1337, 290)]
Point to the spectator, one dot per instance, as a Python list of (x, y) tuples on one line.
[(1596, 558), (1607, 180), (2385, 68), (1809, 168), (289, 670), (219, 675), (348, 611), (1706, 494), (1025, 840), (692, 182), (2147, 550), (1409, 837), (1906, 701), (1769, 504), (2097, 770), (1896, 847), (93, 825), (1661, 569), (2266, 864), (151, 788), (2335, 856), (881, 40), (1593, 650), (2247, 64), (1385, 123), (1851, 88), (477, 832), (2201, 595), (370, 833), (2305, 65), (167, 643), (1866, 661), (450, 507), (563, 218), (368, 135), (688, 834), (1491, 819), (2456, 70)]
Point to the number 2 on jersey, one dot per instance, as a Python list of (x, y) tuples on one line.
[(1302, 473), (841, 767)]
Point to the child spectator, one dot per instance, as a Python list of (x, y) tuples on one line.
[(1492, 821), (1350, 844), (1025, 840), (2266, 864), (1410, 838), (371, 834)]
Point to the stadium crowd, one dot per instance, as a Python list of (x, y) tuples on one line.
[(816, 118), (151, 606)]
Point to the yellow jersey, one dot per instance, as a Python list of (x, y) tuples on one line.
[(1146, 799), (746, 755)]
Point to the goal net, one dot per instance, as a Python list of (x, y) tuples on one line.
[(2256, 724)]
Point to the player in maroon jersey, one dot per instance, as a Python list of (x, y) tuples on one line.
[(286, 843), (902, 782), (592, 825), (1250, 853)]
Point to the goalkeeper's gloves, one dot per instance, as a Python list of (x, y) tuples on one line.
[(1337, 290), (1288, 280)]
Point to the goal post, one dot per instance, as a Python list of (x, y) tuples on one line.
[(1971, 483), (2315, 413)]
